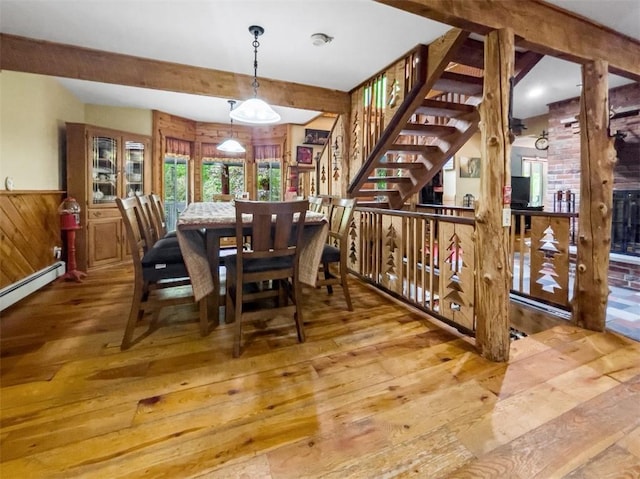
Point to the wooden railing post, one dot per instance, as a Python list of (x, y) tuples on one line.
[(597, 159), (493, 280)]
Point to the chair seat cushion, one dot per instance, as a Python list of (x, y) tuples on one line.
[(330, 254), (163, 262), (167, 242), (173, 234), (260, 265)]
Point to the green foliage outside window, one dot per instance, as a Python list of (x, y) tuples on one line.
[(269, 181), (175, 181), (218, 177)]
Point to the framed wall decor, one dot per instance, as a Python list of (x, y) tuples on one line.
[(450, 164), (469, 167), (315, 137), (304, 155)]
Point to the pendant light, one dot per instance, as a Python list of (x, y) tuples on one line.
[(230, 145), (254, 110)]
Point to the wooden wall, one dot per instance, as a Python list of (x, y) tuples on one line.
[(29, 229)]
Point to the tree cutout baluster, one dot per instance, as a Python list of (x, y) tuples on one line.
[(353, 234), (394, 94), (356, 136), (323, 175), (456, 262), (548, 271), (392, 245)]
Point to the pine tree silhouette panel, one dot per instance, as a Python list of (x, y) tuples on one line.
[(547, 273), (353, 243), (549, 270), (455, 242)]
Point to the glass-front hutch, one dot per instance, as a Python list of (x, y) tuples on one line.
[(102, 165)]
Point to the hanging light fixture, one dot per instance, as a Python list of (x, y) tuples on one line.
[(230, 145), (255, 110)]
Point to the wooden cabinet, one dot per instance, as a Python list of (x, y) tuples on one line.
[(102, 165)]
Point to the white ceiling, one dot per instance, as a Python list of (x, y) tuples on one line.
[(214, 34)]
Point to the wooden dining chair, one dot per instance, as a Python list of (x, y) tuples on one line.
[(158, 211), (271, 257), (155, 267), (316, 203), (148, 224), (337, 248)]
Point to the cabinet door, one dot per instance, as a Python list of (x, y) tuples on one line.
[(105, 242), (104, 159), (134, 167)]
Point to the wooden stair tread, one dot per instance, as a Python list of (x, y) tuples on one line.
[(424, 149), (438, 131), (372, 193), (405, 165), (457, 83), (389, 179), (444, 108)]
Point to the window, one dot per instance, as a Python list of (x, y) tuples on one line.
[(176, 186), (269, 172), (175, 178), (269, 181), (536, 169), (222, 177), (221, 172)]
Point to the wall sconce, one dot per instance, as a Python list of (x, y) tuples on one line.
[(337, 147)]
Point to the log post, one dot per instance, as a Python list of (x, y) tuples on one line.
[(597, 160), (493, 281)]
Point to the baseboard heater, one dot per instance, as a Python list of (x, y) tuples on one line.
[(13, 293)]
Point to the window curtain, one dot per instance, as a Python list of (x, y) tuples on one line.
[(177, 147), (210, 152), (267, 153)]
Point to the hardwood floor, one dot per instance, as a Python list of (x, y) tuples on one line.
[(377, 392)]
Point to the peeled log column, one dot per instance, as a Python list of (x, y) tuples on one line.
[(597, 159), (493, 280)]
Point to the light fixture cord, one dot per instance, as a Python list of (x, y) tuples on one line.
[(255, 83)]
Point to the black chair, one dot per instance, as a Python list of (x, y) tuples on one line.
[(269, 264), (156, 267)]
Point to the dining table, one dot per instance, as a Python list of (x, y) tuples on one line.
[(217, 220)]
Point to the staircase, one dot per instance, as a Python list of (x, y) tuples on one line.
[(436, 118)]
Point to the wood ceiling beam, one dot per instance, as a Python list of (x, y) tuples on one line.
[(541, 26), (56, 59)]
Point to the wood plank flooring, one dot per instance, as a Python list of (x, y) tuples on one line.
[(380, 392)]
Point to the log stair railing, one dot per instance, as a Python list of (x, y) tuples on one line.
[(437, 117)]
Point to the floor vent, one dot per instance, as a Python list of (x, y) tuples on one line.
[(13, 293), (515, 334)]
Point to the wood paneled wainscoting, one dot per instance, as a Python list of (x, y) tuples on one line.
[(380, 391), (29, 230)]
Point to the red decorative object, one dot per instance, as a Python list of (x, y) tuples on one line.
[(69, 211)]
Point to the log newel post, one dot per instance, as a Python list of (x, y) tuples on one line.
[(493, 281), (597, 160)]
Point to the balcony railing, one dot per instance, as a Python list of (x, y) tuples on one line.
[(429, 259)]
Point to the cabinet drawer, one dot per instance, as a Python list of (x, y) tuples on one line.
[(104, 213)]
